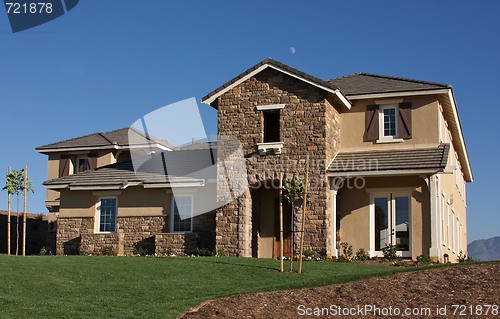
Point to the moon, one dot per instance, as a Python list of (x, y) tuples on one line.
[(292, 49)]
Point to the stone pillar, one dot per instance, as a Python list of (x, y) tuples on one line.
[(244, 224)]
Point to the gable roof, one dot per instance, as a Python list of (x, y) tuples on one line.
[(182, 166), (366, 83), (113, 139), (259, 67), (383, 162)]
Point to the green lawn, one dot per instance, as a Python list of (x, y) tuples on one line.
[(147, 287)]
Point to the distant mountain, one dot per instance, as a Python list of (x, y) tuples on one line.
[(485, 249)]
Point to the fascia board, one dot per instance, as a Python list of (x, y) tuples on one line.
[(384, 173), (96, 187), (180, 184), (336, 92), (60, 186), (75, 149), (229, 87), (396, 94), (463, 152)]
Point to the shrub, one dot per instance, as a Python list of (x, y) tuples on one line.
[(222, 252), (138, 250), (204, 252), (81, 251), (309, 252), (424, 259), (42, 251), (390, 252), (107, 251), (462, 257), (346, 250), (362, 255)]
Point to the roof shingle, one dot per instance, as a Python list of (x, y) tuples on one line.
[(177, 164), (391, 160), (366, 83), (117, 137)]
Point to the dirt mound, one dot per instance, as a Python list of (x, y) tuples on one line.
[(473, 288)]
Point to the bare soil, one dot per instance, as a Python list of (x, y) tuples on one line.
[(472, 287)]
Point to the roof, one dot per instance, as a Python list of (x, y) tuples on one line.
[(200, 146), (366, 83), (373, 162), (112, 139), (210, 97), (184, 165)]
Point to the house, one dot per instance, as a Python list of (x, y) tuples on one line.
[(386, 158)]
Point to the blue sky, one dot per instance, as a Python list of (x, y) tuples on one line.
[(105, 64)]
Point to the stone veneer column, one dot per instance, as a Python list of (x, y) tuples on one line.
[(244, 225)]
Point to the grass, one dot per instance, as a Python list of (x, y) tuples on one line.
[(139, 287)]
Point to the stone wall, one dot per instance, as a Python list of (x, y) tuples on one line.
[(145, 231), (94, 243), (69, 232), (309, 128), (180, 243)]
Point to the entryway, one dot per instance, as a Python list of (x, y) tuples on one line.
[(391, 223)]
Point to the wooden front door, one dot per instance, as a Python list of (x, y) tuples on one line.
[(287, 229)]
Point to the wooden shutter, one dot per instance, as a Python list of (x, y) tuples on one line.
[(92, 161), (404, 120), (64, 165), (371, 122)]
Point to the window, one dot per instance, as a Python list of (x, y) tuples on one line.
[(458, 235), (389, 121), (271, 129), (107, 215), (271, 126), (83, 164), (182, 220)]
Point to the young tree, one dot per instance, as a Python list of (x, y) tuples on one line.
[(15, 186), (293, 192)]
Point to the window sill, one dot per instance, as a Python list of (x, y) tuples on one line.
[(394, 140), (267, 148)]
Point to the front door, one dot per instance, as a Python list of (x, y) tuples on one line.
[(391, 223)]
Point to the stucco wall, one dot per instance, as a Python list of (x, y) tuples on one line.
[(355, 211), (425, 125)]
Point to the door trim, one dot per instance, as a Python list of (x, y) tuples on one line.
[(391, 194)]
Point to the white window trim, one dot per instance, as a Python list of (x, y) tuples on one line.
[(388, 139), (172, 214), (270, 107), (453, 229), (443, 200), (98, 215), (448, 222)]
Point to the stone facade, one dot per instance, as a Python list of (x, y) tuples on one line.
[(148, 232), (69, 232), (180, 243), (310, 130)]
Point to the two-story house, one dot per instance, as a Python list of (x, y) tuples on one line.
[(386, 158)]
